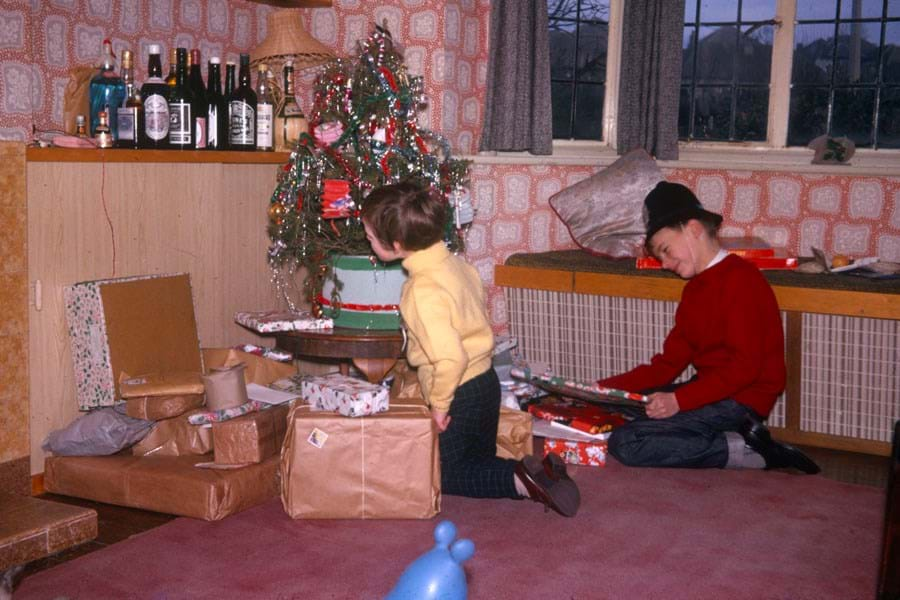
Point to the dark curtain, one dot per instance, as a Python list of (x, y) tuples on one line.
[(518, 114), (650, 77)]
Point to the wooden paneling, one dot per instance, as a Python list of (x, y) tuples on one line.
[(114, 155), (91, 220), (536, 279)]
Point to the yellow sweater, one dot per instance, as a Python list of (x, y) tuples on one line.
[(450, 338)]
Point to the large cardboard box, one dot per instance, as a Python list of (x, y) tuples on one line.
[(383, 466), (131, 325)]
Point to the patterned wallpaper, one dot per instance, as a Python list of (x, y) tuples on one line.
[(446, 42)]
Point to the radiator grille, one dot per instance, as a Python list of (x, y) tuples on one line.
[(851, 366)]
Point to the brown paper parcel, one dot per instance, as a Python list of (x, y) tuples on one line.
[(383, 466), (514, 434), (259, 369), (158, 408), (175, 437), (251, 438), (156, 396)]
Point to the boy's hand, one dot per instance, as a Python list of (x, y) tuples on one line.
[(662, 405), (441, 418)]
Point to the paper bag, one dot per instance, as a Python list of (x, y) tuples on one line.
[(406, 383), (514, 439), (76, 98), (383, 466)]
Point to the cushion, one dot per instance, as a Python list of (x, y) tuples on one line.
[(604, 211)]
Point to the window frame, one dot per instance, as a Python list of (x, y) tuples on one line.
[(773, 154)]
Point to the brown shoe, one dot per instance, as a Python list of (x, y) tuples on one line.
[(545, 485)]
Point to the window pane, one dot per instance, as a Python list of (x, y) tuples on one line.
[(690, 11), (684, 112), (757, 10), (813, 53), (853, 111), (889, 119), (588, 112), (893, 8), (867, 9), (712, 112), (716, 58), (562, 49), (754, 60), (561, 94), (717, 11), (857, 54), (562, 9), (595, 9), (592, 43), (687, 54), (890, 70), (809, 115), (751, 116), (817, 9)]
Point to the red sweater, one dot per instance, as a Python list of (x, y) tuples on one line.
[(728, 326)]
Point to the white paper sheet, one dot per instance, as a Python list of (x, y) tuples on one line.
[(268, 395)]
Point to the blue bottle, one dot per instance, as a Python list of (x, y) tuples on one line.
[(107, 90)]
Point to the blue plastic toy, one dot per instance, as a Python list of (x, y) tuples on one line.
[(438, 574)]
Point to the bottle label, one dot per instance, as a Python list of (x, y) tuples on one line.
[(264, 118), (156, 117), (180, 124), (292, 109), (125, 119), (212, 126), (200, 132), (242, 128)]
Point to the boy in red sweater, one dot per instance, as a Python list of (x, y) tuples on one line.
[(728, 327)]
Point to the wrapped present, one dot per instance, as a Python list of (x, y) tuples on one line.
[(251, 438), (383, 466), (157, 396), (206, 417), (577, 415), (175, 437), (578, 453), (158, 408), (131, 325), (349, 396), (514, 438), (270, 353), (274, 321)]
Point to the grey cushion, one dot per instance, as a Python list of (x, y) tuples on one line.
[(604, 211)]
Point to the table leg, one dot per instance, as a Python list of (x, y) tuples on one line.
[(374, 368)]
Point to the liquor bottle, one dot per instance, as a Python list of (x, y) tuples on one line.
[(229, 90), (181, 105), (216, 108), (173, 67), (155, 95), (242, 111), (130, 116), (265, 109), (102, 135), (107, 90), (290, 121), (80, 128), (195, 81)]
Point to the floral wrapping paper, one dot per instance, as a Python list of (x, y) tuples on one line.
[(217, 416), (275, 321), (578, 453), (349, 396)]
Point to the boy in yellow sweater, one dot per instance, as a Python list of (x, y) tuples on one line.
[(450, 343)]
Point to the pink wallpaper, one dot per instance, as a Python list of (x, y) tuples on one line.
[(446, 42)]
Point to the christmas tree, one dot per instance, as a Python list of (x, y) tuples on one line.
[(363, 133)]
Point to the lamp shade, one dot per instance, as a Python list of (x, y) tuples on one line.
[(288, 40)]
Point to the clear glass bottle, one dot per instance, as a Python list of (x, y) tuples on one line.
[(80, 127), (155, 95), (242, 111), (181, 108), (265, 110), (216, 108), (129, 116), (290, 121), (107, 90)]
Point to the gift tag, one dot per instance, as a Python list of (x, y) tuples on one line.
[(317, 437)]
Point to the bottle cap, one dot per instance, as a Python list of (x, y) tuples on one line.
[(127, 59), (79, 119), (153, 49), (262, 67), (195, 57), (214, 60)]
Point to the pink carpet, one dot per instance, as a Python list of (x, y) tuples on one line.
[(641, 533)]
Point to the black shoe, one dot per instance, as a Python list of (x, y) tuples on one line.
[(776, 454), (546, 486)]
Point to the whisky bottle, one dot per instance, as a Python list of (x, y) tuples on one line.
[(181, 107), (265, 110), (130, 116), (216, 109), (242, 111), (155, 95), (102, 135), (195, 81), (173, 68), (290, 121)]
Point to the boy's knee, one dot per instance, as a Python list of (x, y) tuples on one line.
[(622, 446)]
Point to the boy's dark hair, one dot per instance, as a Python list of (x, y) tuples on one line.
[(407, 213)]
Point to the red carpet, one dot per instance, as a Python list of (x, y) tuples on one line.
[(641, 534)]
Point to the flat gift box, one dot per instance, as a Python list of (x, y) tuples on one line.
[(275, 321), (349, 396), (578, 453)]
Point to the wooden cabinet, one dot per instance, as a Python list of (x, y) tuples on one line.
[(116, 213)]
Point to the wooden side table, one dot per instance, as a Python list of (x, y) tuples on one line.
[(372, 351)]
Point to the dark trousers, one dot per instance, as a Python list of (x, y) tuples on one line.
[(469, 462), (691, 439)]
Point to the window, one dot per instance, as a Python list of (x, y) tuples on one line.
[(773, 72), (579, 31)]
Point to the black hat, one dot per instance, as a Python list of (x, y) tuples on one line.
[(671, 204)]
